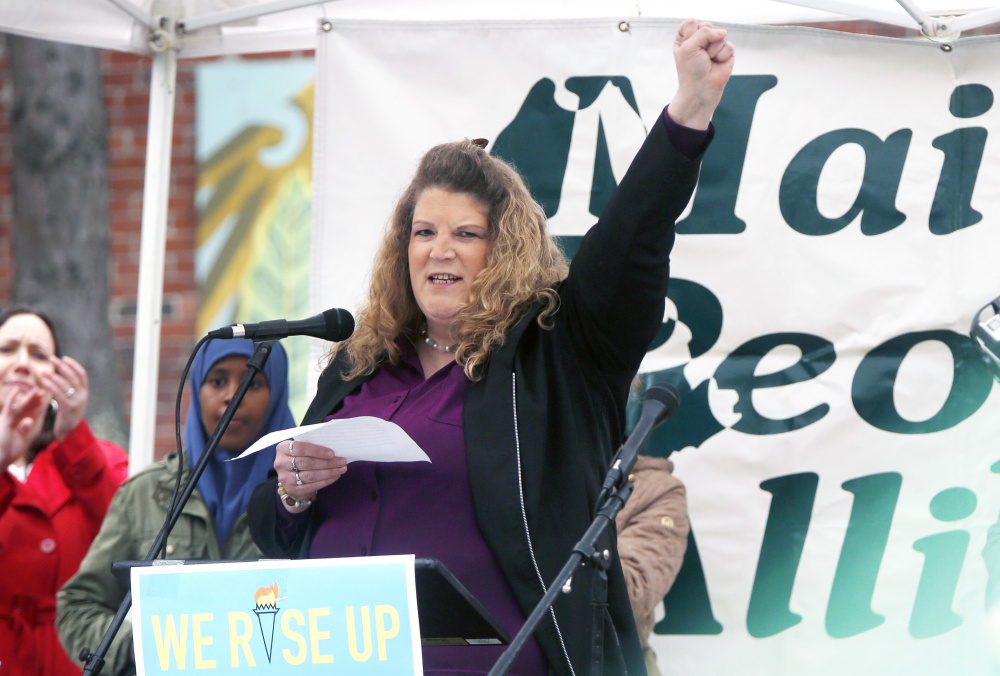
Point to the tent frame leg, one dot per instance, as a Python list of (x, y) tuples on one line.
[(149, 306)]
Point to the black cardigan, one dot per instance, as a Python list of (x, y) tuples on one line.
[(543, 423)]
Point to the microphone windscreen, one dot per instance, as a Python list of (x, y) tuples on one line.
[(666, 394), (339, 324)]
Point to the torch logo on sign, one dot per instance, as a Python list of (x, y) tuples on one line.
[(266, 608)]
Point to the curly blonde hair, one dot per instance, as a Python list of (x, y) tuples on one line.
[(523, 264)]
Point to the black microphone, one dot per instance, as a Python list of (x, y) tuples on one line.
[(659, 403), (333, 325)]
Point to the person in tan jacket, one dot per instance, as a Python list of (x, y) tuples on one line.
[(652, 537)]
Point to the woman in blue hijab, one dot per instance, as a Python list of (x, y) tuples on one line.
[(213, 524), (215, 374)]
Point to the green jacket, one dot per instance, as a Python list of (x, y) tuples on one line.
[(88, 601)]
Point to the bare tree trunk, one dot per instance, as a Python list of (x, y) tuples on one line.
[(60, 194)]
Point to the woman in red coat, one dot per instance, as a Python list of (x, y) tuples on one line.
[(56, 481)]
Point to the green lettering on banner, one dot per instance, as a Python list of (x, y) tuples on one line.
[(932, 613), (963, 154), (792, 500), (876, 200), (687, 606), (952, 208), (736, 372), (944, 554), (849, 611), (603, 184), (701, 312), (697, 308), (875, 379), (713, 211), (537, 142), (588, 89)]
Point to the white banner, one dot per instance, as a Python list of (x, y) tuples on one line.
[(838, 434)]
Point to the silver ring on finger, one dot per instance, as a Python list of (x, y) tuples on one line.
[(298, 479), (70, 391), (294, 468), (290, 444)]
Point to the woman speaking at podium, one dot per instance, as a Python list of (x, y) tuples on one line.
[(510, 370)]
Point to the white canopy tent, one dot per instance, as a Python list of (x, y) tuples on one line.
[(212, 27), (170, 29)]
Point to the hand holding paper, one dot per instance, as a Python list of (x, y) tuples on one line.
[(363, 438), (319, 454)]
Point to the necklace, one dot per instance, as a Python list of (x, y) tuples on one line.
[(434, 345)]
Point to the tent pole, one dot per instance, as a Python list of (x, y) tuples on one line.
[(926, 23), (973, 20), (851, 10), (140, 15), (149, 310)]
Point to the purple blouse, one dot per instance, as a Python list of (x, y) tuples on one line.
[(421, 508)]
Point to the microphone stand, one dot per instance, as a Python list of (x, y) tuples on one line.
[(584, 552), (661, 402), (95, 660)]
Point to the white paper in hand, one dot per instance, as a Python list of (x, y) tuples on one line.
[(362, 438)]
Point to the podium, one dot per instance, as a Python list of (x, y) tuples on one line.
[(449, 615)]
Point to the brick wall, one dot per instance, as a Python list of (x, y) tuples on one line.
[(126, 95), (126, 82)]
